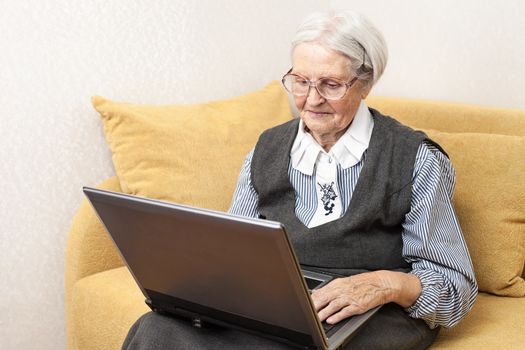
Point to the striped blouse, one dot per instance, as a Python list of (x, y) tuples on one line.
[(432, 239)]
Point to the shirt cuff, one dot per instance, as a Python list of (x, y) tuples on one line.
[(426, 305)]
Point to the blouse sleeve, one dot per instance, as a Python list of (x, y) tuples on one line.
[(434, 244), (245, 198)]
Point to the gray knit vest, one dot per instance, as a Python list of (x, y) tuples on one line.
[(368, 236)]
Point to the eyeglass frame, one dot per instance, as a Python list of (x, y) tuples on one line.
[(311, 83), (314, 83)]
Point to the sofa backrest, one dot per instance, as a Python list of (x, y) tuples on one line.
[(451, 117), (486, 146), (192, 154)]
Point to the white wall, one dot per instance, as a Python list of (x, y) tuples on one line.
[(55, 54), (470, 51)]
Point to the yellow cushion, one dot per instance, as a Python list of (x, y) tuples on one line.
[(104, 306), (493, 323), (188, 154), (490, 202)]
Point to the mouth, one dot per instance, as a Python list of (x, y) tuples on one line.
[(316, 114)]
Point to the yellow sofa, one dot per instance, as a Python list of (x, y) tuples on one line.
[(102, 299)]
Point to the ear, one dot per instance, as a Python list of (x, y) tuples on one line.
[(365, 90)]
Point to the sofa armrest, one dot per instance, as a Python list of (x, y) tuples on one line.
[(89, 249)]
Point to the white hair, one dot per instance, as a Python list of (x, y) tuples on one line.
[(350, 34)]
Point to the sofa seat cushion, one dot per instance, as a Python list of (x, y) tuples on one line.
[(113, 297), (105, 305), (494, 323)]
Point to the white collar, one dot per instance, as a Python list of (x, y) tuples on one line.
[(347, 151)]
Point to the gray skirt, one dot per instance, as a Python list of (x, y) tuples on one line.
[(390, 328)]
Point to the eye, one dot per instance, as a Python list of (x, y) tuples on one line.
[(301, 81), (330, 84)]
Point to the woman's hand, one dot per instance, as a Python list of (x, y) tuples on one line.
[(348, 296)]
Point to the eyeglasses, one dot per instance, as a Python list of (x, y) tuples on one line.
[(328, 88)]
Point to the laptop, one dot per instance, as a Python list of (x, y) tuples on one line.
[(215, 268)]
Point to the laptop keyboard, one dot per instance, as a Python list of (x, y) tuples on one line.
[(330, 329), (327, 326)]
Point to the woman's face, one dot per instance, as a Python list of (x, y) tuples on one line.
[(326, 120)]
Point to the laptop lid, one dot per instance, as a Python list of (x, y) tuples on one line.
[(215, 267)]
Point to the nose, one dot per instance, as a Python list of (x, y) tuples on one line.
[(313, 97)]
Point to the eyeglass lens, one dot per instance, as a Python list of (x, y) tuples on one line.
[(327, 88)]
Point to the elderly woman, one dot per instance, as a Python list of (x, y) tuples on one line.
[(361, 196)]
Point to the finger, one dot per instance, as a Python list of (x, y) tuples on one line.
[(323, 296), (326, 294), (320, 300), (332, 308), (344, 313), (347, 311)]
